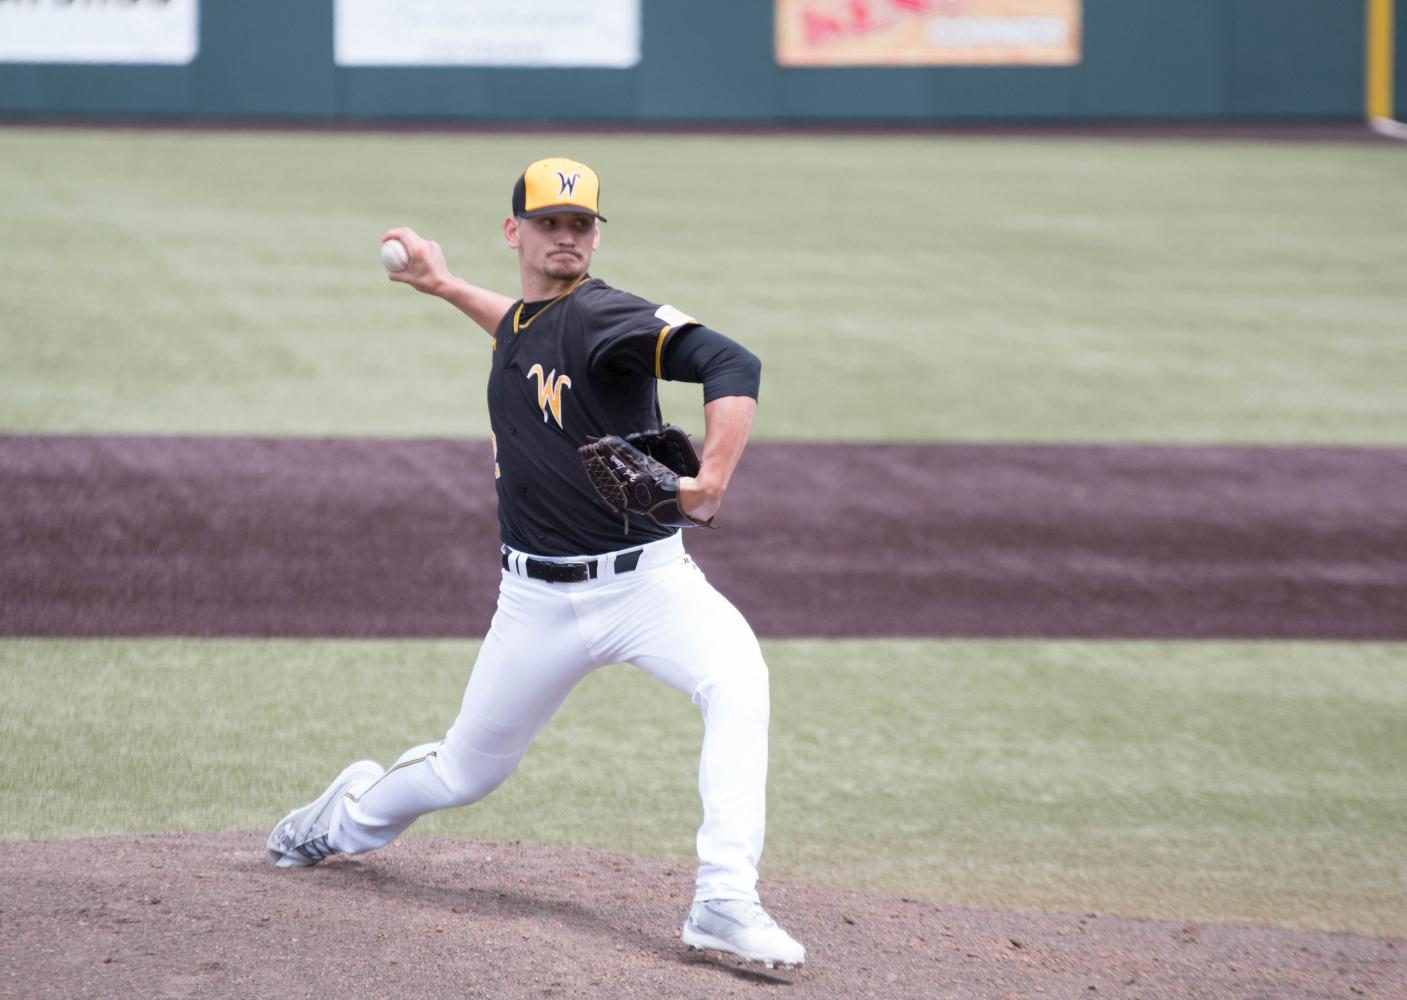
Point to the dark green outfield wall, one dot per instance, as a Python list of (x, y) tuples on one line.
[(1400, 47), (714, 61)]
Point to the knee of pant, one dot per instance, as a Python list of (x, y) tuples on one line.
[(743, 695), (469, 775)]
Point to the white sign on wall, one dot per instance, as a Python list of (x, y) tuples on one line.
[(99, 31), (600, 33)]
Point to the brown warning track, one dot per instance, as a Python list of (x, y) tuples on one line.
[(161, 536)]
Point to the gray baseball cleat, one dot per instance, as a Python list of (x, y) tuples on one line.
[(742, 928), (300, 839)]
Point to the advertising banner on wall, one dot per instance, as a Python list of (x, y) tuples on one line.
[(99, 31), (602, 33), (928, 32)]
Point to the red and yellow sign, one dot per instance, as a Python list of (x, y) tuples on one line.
[(928, 32)]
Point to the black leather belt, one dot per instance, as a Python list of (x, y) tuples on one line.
[(572, 572)]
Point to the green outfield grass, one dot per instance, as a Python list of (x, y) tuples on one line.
[(1255, 782), (914, 288)]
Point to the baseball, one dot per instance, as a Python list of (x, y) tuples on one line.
[(394, 255)]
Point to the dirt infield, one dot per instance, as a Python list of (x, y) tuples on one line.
[(205, 916), (377, 538)]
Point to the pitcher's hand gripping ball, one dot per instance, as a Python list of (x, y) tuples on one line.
[(640, 474)]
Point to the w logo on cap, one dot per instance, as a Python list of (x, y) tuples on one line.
[(568, 184)]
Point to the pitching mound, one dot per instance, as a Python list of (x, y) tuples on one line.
[(205, 916)]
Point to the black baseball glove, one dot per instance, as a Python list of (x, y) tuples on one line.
[(640, 473)]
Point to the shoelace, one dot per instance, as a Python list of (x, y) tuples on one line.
[(758, 917), (315, 849), (743, 914)]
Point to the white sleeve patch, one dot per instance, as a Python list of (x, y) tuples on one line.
[(674, 318)]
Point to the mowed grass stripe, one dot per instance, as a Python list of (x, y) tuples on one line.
[(1251, 782), (896, 288)]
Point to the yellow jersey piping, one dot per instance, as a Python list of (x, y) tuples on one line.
[(517, 313), (659, 351)]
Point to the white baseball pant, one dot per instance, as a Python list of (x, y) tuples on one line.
[(663, 617)]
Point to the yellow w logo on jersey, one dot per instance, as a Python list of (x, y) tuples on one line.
[(549, 391)]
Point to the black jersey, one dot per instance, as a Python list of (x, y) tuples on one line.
[(581, 365)]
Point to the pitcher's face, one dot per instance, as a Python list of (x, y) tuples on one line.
[(558, 246)]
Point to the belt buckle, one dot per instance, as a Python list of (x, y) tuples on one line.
[(580, 572), (560, 572)]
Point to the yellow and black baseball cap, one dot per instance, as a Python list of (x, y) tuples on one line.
[(557, 185)]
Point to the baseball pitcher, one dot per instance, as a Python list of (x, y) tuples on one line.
[(593, 491)]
